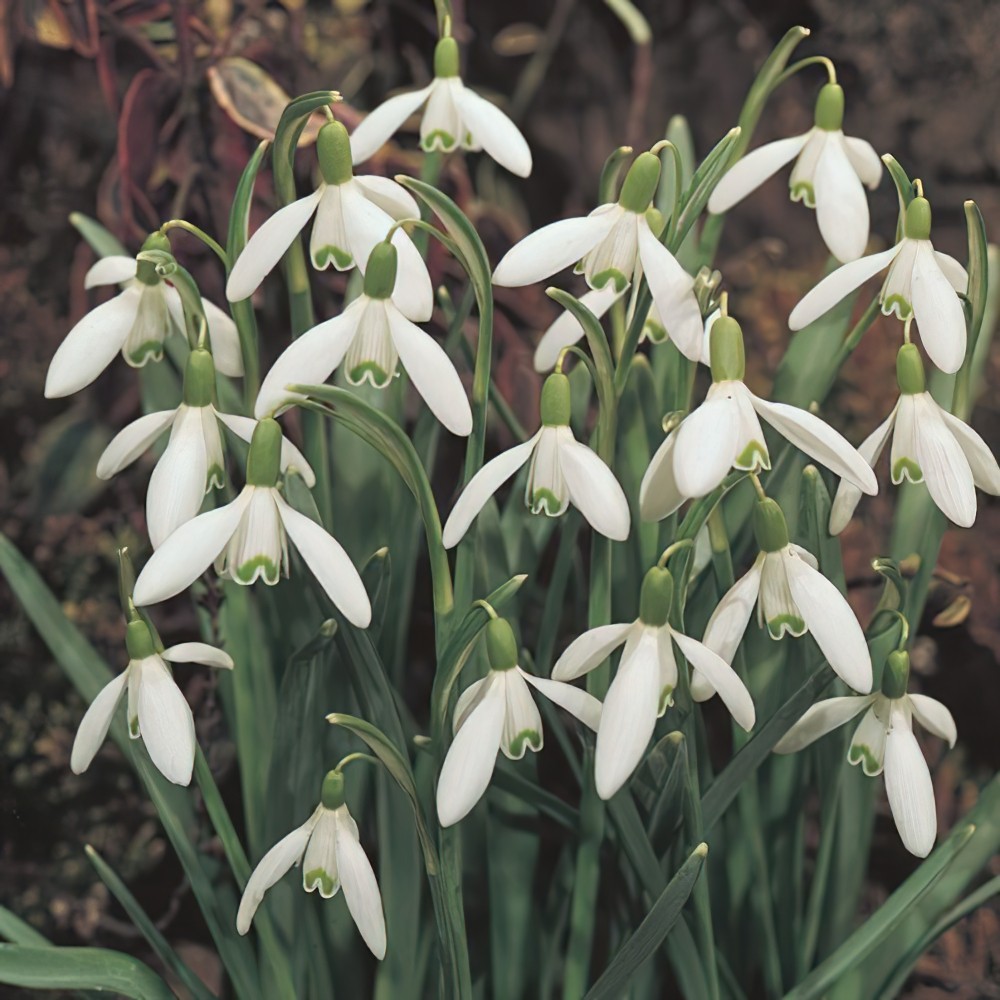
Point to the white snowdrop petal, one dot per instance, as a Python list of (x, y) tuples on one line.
[(467, 701), (566, 330), (841, 203), (956, 274), (389, 196), (594, 490), (291, 457), (659, 495), (868, 742), (937, 311), (165, 721), (224, 339), (721, 676), (909, 788), (589, 650), (361, 892), (934, 717), (864, 160), (92, 344), (481, 487), (748, 173), (494, 131), (576, 701), (329, 563), (847, 496), (944, 465), (286, 853), (706, 446), (726, 627), (522, 728), (198, 652), (95, 724), (819, 719), (131, 441), (177, 485), (113, 270), (838, 285), (985, 470), (379, 125), (413, 293)]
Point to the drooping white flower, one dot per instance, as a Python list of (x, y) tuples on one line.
[(791, 596), (248, 539), (136, 322), (923, 285), (724, 433), (193, 463), (643, 687), (371, 337), (929, 445), (328, 847), (884, 741), (455, 117), (157, 711), (353, 214), (828, 175), (561, 471), (614, 247), (498, 713)]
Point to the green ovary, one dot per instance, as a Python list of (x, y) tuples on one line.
[(785, 623), (531, 737), (318, 877), (262, 565), (341, 258)]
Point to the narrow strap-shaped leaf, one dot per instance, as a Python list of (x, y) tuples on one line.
[(15, 930), (102, 242)]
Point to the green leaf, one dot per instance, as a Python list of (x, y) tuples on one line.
[(725, 152), (607, 187), (15, 930), (103, 243), (651, 932), (80, 968)]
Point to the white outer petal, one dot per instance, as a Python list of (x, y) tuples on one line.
[(576, 701), (224, 339), (941, 459), (721, 676), (934, 717), (286, 853), (494, 131), (706, 445), (389, 196), (841, 203), (865, 161), (198, 652), (748, 173), (165, 721), (589, 650), (594, 490), (95, 724), (847, 496), (937, 311), (361, 893), (659, 494), (729, 621), (291, 457), (131, 441), (982, 462), (956, 274), (909, 787), (379, 125), (177, 485), (113, 270), (820, 719)]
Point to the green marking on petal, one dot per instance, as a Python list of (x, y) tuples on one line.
[(267, 568), (613, 275), (215, 479), (666, 699), (148, 350), (319, 878), (777, 627), (906, 468), (342, 260), (654, 332), (438, 139), (860, 753), (371, 371), (803, 191), (544, 501), (531, 737), (754, 456), (897, 304), (133, 727)]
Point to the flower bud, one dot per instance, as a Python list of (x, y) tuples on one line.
[(769, 527), (332, 793), (656, 596), (501, 646), (264, 460), (896, 675), (910, 370), (446, 58), (555, 408), (726, 350), (830, 108), (640, 183), (380, 274), (199, 378), (138, 640), (333, 147), (917, 221)]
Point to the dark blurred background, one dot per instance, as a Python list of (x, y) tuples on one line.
[(138, 112)]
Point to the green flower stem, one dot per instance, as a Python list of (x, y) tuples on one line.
[(189, 227)]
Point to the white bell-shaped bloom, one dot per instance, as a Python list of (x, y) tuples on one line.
[(643, 687), (499, 713), (561, 471), (135, 322), (455, 117), (829, 173), (328, 847), (791, 596), (613, 247), (353, 214), (248, 539), (724, 433), (929, 445), (922, 285), (193, 462), (157, 711), (371, 337), (884, 742)]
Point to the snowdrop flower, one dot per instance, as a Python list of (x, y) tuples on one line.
[(885, 742), (498, 713), (455, 117), (193, 463), (929, 445), (791, 596), (136, 322), (828, 175), (724, 433), (923, 284), (352, 215), (615, 247), (329, 849), (643, 687), (561, 471), (248, 538), (371, 337), (157, 710)]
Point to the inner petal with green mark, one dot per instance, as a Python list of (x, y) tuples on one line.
[(803, 191), (319, 878), (666, 699), (341, 259), (906, 468), (530, 737), (133, 727), (544, 501), (438, 139), (139, 354), (372, 355), (260, 566), (610, 275), (216, 478), (861, 753), (897, 304), (753, 457), (781, 624)]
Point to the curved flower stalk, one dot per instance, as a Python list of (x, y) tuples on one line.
[(561, 471), (830, 175), (724, 433), (929, 445), (791, 596), (643, 687), (328, 847), (499, 713), (922, 284), (371, 337), (353, 214), (613, 248), (248, 539), (884, 742), (193, 463), (455, 117), (136, 322), (157, 711)]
